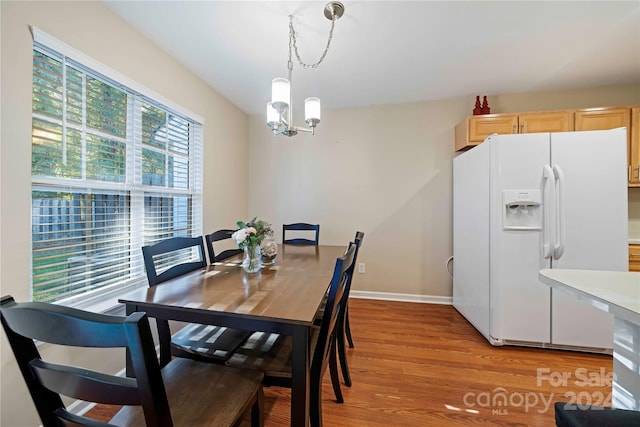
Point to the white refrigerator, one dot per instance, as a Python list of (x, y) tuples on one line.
[(526, 202)]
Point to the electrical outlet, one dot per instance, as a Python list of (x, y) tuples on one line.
[(361, 267)]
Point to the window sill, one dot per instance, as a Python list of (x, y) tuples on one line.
[(106, 302)]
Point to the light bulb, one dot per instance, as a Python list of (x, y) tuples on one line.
[(312, 111), (280, 94)]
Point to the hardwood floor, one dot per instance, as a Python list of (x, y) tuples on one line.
[(424, 365)]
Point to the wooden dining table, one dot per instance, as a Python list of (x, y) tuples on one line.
[(282, 298)]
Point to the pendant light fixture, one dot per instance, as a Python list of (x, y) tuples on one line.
[(279, 110)]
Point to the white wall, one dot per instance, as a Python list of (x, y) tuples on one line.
[(385, 170), (96, 31)]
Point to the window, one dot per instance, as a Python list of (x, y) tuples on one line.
[(112, 170)]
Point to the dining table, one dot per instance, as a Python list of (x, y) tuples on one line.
[(281, 298)]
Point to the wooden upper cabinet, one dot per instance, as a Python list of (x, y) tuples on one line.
[(480, 127), (545, 122), (602, 118), (475, 129)]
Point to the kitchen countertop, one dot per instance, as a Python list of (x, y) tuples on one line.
[(617, 292)]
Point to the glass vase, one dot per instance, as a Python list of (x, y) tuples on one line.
[(252, 261), (269, 250)]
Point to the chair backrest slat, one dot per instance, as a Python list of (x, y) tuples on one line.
[(163, 250), (301, 226), (56, 326), (218, 236), (86, 385)]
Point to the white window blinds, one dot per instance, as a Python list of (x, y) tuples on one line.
[(112, 170)]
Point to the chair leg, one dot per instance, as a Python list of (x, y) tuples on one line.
[(348, 327), (333, 370), (342, 352)]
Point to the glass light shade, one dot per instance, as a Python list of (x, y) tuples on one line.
[(272, 114), (312, 111), (280, 93)]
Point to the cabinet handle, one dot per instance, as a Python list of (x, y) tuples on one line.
[(637, 173), (524, 128), (631, 255), (629, 173)]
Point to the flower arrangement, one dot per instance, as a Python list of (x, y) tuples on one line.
[(248, 237), (252, 233)]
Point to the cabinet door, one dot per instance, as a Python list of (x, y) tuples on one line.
[(545, 122), (603, 119), (634, 150), (480, 127), (634, 257)]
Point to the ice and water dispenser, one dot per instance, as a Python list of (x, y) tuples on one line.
[(522, 209)]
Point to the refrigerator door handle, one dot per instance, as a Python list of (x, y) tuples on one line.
[(547, 199), (558, 248)]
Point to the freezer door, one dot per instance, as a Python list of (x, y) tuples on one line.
[(520, 309), (593, 231)]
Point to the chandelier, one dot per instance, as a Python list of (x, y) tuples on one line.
[(279, 110)]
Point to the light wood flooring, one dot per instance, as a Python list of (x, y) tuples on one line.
[(424, 365)]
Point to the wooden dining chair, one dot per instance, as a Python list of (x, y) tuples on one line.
[(347, 326), (221, 236), (173, 257), (301, 226), (344, 327), (206, 343), (185, 393), (271, 353)]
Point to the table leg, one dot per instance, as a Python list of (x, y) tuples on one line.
[(300, 377)]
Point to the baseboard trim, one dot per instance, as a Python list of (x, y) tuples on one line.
[(393, 296)]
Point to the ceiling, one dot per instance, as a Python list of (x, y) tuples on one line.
[(386, 52)]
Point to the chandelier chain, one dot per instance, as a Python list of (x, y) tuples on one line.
[(293, 40)]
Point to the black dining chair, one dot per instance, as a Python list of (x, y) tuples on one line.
[(173, 257), (343, 331), (344, 326), (271, 353), (206, 343), (301, 226), (358, 241), (185, 393), (572, 415), (221, 236)]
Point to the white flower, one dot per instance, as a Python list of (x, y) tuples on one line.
[(240, 235)]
